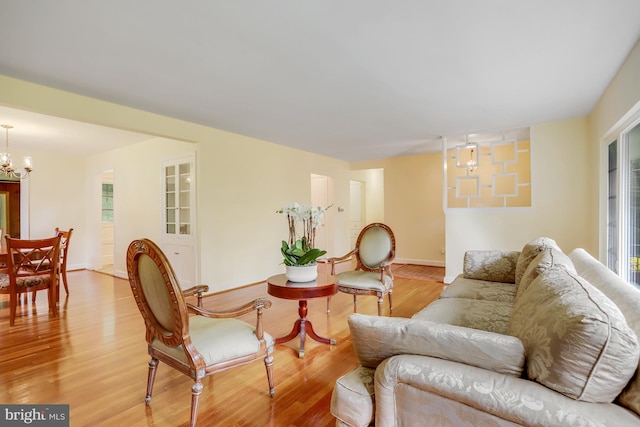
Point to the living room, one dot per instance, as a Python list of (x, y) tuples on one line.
[(238, 193)]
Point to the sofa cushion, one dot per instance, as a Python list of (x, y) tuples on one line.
[(462, 287), (529, 252), (491, 316), (353, 401), (577, 341), (493, 266), (376, 338), (547, 258)]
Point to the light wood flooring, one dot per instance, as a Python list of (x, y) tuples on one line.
[(93, 357)]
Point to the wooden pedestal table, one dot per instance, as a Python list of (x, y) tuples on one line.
[(324, 286)]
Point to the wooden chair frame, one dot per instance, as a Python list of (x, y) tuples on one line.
[(384, 268), (65, 237), (31, 261), (196, 367)]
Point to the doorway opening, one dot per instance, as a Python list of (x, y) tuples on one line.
[(10, 209), (106, 223), (322, 195)]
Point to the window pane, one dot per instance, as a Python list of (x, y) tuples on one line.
[(634, 205), (612, 208), (107, 202)]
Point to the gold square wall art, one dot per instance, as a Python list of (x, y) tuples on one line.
[(488, 173)]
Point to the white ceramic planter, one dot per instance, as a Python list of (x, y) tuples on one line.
[(301, 273)]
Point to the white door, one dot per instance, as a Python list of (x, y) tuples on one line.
[(320, 197), (178, 218), (356, 209)]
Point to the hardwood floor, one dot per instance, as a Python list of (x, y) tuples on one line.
[(93, 357)]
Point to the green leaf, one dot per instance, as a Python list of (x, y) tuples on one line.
[(311, 256)]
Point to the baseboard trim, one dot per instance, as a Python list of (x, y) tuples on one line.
[(449, 279), (419, 262)]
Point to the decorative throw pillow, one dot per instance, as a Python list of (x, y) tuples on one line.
[(493, 266), (547, 258), (529, 252), (576, 340)]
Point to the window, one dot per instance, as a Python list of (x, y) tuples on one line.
[(107, 202), (623, 210), (612, 208)]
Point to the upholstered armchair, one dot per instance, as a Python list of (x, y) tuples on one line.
[(374, 253), (198, 345)]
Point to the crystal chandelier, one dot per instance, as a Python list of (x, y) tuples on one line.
[(6, 164), (467, 155)]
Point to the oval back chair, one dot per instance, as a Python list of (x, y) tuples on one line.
[(198, 345), (374, 252)]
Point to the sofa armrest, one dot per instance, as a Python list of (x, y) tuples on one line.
[(448, 393), (376, 338), (493, 266)]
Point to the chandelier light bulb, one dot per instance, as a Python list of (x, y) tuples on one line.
[(6, 165)]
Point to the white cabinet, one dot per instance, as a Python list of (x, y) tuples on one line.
[(178, 219)]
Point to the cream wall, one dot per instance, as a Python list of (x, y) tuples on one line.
[(621, 97), (413, 205), (238, 197), (560, 200), (241, 183), (56, 199)]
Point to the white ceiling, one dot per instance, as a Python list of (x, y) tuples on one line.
[(33, 131), (350, 79)]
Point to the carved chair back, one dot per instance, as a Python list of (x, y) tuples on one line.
[(376, 244), (157, 293), (31, 265)]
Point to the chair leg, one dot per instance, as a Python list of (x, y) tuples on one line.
[(153, 365), (390, 303), (33, 297), (355, 305), (328, 305), (51, 294), (13, 304), (63, 273), (196, 389), (380, 300), (268, 363)]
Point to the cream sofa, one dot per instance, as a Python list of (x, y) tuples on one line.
[(534, 337)]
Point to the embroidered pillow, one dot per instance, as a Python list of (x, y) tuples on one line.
[(576, 340)]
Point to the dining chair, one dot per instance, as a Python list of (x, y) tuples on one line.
[(374, 252), (198, 345), (65, 238), (31, 265)]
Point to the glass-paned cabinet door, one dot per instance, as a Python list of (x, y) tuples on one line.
[(179, 193), (184, 198)]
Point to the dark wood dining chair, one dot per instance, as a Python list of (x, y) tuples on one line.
[(198, 345), (31, 265), (65, 238)]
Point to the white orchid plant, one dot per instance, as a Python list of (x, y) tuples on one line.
[(300, 249)]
